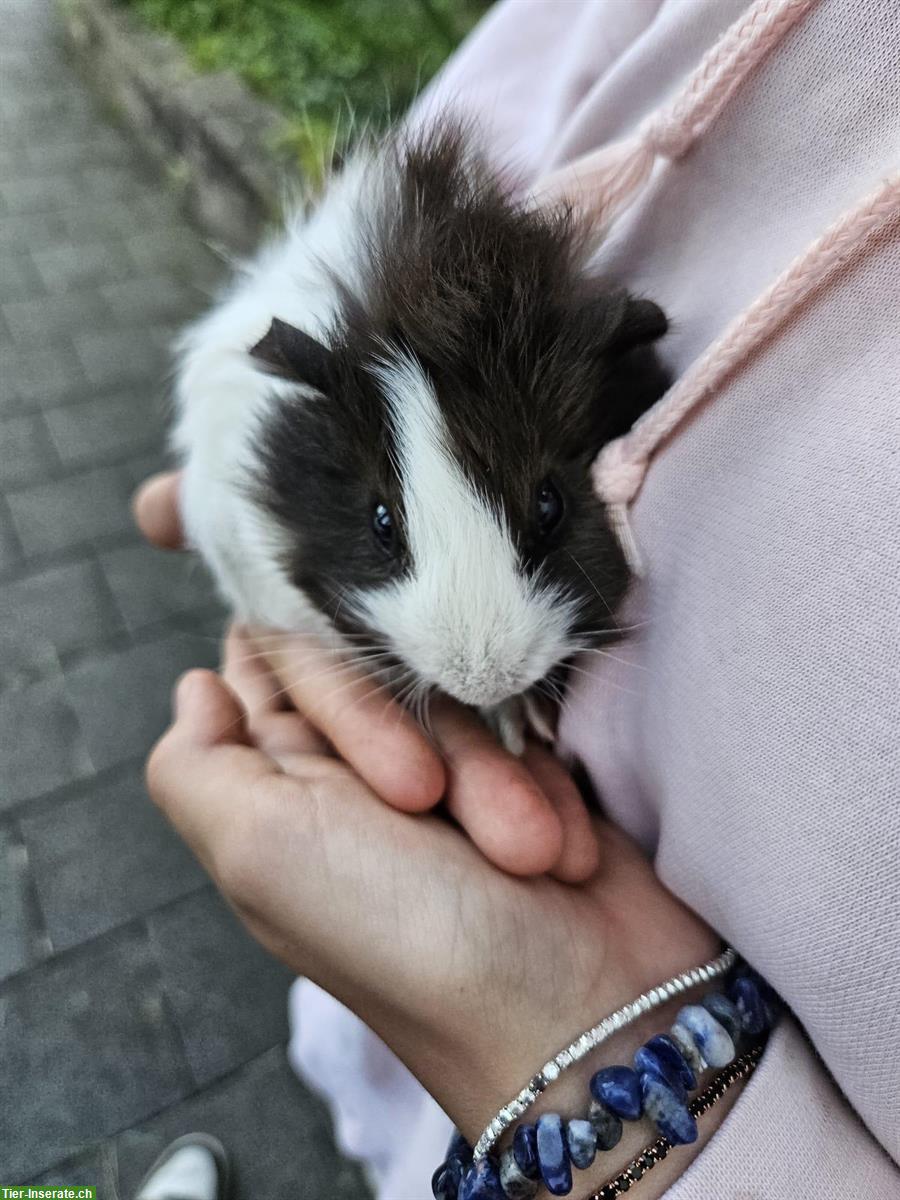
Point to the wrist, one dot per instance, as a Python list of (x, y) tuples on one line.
[(527, 1038), (608, 1139), (570, 1097)]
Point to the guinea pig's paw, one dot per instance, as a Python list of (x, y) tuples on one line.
[(508, 722)]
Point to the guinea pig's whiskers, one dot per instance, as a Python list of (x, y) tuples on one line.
[(339, 669), (552, 689), (594, 588), (625, 662), (378, 688), (592, 675), (366, 677), (406, 691), (426, 713), (414, 695), (619, 629), (418, 704)]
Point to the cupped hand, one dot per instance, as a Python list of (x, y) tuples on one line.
[(525, 815), (471, 975)]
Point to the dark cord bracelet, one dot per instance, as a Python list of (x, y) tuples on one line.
[(712, 1033), (741, 1068)]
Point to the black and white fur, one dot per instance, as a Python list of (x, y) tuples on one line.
[(423, 343)]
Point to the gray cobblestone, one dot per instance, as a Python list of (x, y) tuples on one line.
[(124, 699), (151, 584), (255, 1113), (101, 859), (178, 252), (105, 145), (28, 453), (31, 230), (114, 181), (66, 268), (228, 997), (39, 377), (114, 357), (19, 279), (95, 221), (10, 549), (18, 930), (48, 194), (71, 511), (43, 747), (51, 317), (108, 997), (65, 608), (94, 1168), (108, 428), (152, 298)]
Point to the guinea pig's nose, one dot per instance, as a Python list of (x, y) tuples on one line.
[(481, 684)]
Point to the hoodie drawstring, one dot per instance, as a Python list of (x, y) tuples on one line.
[(620, 467), (606, 181)]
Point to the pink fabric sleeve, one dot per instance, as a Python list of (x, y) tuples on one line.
[(790, 1136)]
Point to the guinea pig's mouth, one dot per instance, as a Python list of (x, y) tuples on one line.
[(477, 697), (483, 682), (490, 690)]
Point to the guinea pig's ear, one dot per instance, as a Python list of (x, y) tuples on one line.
[(293, 354), (633, 323)]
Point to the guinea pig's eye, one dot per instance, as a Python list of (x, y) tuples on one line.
[(383, 527), (549, 507)]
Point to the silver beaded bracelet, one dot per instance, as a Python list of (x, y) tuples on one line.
[(593, 1038)]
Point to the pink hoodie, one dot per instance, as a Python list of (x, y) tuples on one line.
[(749, 737)]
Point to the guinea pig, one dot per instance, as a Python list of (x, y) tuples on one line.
[(387, 427)]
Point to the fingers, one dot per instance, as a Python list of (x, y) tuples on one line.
[(248, 674), (156, 510), (272, 724), (580, 855), (494, 796), (204, 765), (362, 721)]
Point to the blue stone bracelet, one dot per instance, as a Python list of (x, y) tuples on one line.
[(665, 1069), (594, 1037)]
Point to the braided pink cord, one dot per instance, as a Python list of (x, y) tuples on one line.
[(620, 467), (673, 129), (605, 181)]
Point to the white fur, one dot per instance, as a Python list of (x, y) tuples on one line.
[(467, 618), (222, 396)]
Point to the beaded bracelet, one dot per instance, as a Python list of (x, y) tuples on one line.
[(741, 1068), (593, 1038), (665, 1069)]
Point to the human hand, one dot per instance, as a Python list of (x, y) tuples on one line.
[(525, 815), (472, 976)]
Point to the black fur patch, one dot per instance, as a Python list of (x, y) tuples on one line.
[(535, 364)]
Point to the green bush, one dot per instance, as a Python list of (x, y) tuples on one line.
[(322, 62)]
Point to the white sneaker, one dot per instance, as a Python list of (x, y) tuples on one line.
[(194, 1167)]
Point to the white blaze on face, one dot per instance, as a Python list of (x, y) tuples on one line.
[(466, 618)]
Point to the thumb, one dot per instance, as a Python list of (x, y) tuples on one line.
[(207, 712), (156, 510), (203, 773)]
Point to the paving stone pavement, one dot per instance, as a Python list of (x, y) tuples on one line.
[(132, 1006)]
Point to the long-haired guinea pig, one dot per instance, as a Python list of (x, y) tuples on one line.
[(387, 427)]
